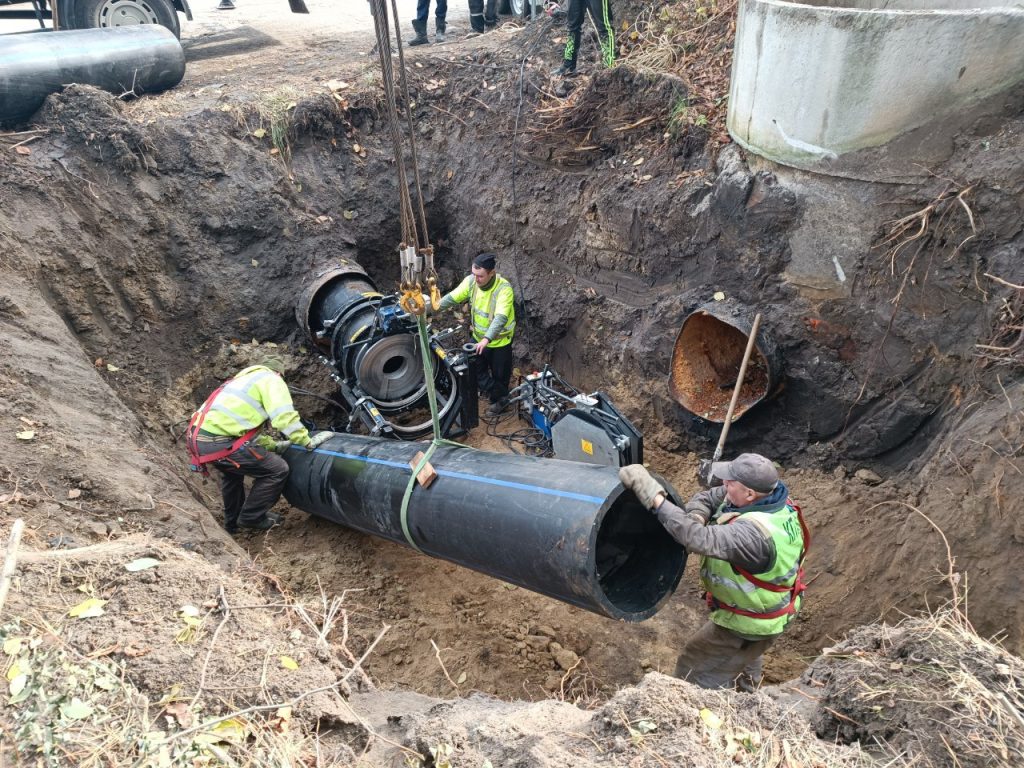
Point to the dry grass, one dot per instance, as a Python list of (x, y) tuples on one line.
[(691, 39), (934, 691)]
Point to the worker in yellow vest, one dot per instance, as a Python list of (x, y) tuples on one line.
[(752, 539), (491, 301), (226, 432)]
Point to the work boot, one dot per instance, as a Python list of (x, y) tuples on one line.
[(225, 5), (566, 69), (421, 33), (439, 35), (497, 407), (267, 522)]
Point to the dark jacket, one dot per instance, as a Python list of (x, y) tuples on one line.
[(744, 543)]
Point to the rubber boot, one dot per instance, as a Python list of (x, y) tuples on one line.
[(225, 5), (421, 33), (439, 35)]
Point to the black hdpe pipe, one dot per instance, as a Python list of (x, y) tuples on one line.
[(144, 58), (567, 530)]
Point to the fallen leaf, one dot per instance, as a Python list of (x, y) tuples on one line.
[(17, 668), (189, 611), (88, 609), (112, 368), (179, 711), (28, 434), (275, 151), (74, 493), (99, 362), (12, 646), (259, 133), (254, 262), (638, 161), (29, 422), (348, 215), (23, 150), (356, 148), (289, 663), (719, 296), (76, 709), (337, 85), (713, 721), (18, 683), (142, 564), (225, 107), (646, 726), (450, 174), (462, 679)]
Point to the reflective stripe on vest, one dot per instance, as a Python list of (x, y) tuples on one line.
[(760, 604), (484, 306)]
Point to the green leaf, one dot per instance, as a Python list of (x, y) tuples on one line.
[(259, 133), (18, 684), (142, 564), (76, 709)]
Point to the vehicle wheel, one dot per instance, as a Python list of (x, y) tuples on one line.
[(90, 14), (520, 8)]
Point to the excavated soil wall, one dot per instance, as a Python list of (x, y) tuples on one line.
[(144, 252)]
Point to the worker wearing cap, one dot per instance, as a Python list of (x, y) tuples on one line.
[(226, 432), (491, 301), (752, 540)]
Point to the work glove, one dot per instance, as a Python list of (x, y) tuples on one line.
[(281, 446), (265, 441), (318, 439), (640, 482)]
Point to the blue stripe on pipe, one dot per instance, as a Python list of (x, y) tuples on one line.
[(464, 476)]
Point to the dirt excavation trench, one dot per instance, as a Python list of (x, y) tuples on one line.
[(150, 249)]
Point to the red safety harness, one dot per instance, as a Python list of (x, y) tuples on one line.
[(794, 591), (198, 463)]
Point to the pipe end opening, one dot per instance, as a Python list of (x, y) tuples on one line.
[(638, 563), (706, 363)]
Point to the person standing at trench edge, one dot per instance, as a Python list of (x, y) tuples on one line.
[(492, 306), (752, 539), (226, 432), (601, 13), (419, 24)]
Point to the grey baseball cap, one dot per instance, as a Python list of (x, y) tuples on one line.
[(752, 469)]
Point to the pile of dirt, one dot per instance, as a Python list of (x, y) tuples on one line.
[(928, 688), (157, 640), (662, 721)]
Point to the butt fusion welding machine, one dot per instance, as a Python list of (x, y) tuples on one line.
[(579, 427)]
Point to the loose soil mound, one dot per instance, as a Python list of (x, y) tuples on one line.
[(928, 688)]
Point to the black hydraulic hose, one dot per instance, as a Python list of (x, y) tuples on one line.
[(144, 58), (567, 530)]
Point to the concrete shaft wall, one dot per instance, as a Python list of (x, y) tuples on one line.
[(839, 90)]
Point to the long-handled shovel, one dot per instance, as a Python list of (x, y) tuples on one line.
[(704, 468)]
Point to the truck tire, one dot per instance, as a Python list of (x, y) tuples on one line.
[(89, 14), (520, 8)]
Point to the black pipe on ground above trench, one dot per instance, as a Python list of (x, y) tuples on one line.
[(144, 58), (566, 530)]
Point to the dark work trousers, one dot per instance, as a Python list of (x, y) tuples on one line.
[(268, 472), (601, 13), (440, 11), (718, 658), (481, 14), (494, 371)]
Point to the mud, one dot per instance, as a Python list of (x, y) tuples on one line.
[(151, 249)]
